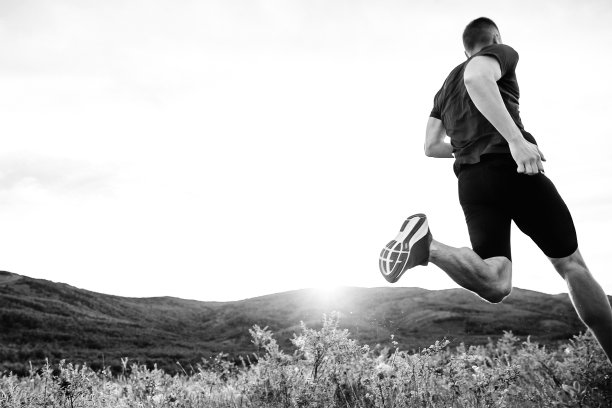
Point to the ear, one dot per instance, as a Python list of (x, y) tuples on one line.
[(497, 38)]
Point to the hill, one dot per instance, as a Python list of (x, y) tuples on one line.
[(40, 319)]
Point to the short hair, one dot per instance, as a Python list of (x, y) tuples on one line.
[(479, 32)]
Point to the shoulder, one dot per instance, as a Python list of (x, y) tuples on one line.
[(503, 47), (506, 56), (499, 50), (449, 84), (452, 77), (455, 75)]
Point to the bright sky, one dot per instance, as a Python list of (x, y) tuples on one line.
[(224, 149)]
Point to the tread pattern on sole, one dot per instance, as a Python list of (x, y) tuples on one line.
[(395, 257)]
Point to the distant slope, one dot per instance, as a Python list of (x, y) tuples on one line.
[(39, 319)]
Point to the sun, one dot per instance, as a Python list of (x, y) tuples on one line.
[(327, 293)]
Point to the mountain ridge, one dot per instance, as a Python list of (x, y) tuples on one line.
[(43, 319)]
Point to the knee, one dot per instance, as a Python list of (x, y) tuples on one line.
[(499, 285), (570, 265), (498, 294), (575, 274)]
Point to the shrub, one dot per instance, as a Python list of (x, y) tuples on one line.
[(329, 369)]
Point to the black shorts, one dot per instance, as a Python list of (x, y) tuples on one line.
[(492, 194)]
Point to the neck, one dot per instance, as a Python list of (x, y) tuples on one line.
[(476, 49)]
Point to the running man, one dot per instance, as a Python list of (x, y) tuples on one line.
[(501, 179)]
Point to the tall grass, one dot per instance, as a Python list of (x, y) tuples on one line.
[(329, 369)]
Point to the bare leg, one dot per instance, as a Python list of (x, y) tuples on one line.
[(589, 299), (489, 278)]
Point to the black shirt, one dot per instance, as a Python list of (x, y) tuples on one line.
[(471, 134)]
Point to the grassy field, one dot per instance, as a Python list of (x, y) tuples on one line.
[(329, 369)]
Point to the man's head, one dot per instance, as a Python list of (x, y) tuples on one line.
[(480, 33)]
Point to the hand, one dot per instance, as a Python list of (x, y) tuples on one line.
[(527, 156)]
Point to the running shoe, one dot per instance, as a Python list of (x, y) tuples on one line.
[(409, 249)]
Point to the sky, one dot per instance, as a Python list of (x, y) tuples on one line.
[(226, 149)]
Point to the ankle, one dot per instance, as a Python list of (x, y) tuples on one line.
[(434, 248)]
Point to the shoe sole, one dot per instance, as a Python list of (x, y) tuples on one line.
[(395, 258)]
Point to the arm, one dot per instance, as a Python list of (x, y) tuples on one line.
[(435, 146), (480, 78)]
